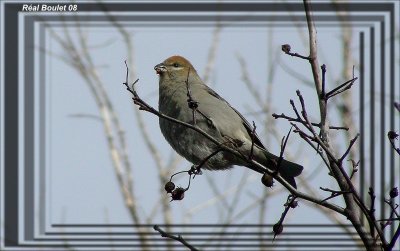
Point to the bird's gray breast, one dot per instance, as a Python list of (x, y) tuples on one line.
[(187, 142)]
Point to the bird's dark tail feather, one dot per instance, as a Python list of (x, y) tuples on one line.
[(288, 170)]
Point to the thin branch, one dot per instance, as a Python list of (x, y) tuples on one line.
[(334, 193), (341, 88), (204, 161), (390, 219), (392, 207), (286, 48), (178, 238), (349, 148), (323, 69), (394, 239), (290, 203), (397, 106), (283, 146), (392, 135), (354, 167), (309, 140), (372, 209), (291, 119)]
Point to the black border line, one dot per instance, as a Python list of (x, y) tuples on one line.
[(372, 110), (11, 136), (392, 109), (29, 129), (362, 117), (383, 140)]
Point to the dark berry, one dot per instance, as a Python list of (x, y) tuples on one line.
[(267, 180), (286, 48), (294, 204), (393, 135), (169, 187), (394, 192), (178, 194)]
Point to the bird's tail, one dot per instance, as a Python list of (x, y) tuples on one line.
[(288, 170)]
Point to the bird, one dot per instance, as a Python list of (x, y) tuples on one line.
[(184, 96)]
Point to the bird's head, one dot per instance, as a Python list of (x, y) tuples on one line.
[(175, 68)]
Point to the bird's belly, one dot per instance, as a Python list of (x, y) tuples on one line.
[(187, 142), (193, 146)]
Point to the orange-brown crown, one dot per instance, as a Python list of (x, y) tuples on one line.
[(180, 60)]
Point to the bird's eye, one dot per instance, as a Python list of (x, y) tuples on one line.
[(176, 65)]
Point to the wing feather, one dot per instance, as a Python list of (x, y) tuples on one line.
[(246, 124)]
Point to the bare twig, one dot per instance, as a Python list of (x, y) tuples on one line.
[(389, 220), (372, 209), (354, 167), (334, 193), (290, 203), (348, 149), (178, 238), (283, 146), (309, 140), (286, 48), (394, 239), (291, 119), (397, 106), (392, 207), (392, 135), (341, 88), (323, 69)]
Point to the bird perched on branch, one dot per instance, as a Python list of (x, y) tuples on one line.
[(184, 96)]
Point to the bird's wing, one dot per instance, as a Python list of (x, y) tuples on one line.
[(246, 124)]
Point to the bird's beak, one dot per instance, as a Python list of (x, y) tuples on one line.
[(160, 68)]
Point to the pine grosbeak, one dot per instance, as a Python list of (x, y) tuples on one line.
[(213, 115)]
